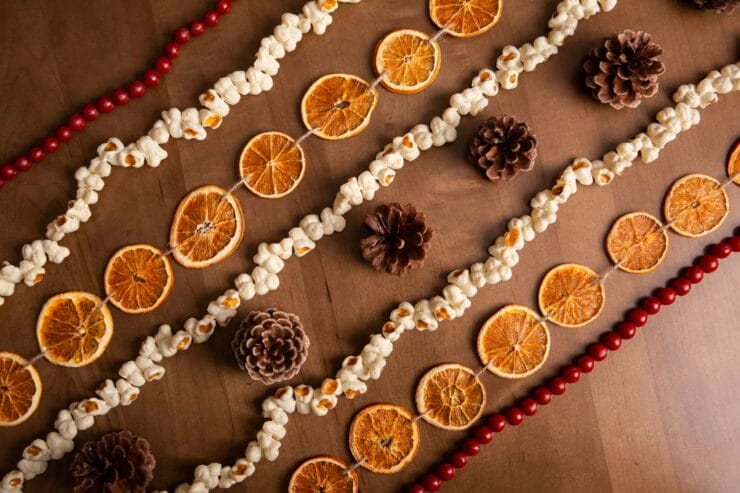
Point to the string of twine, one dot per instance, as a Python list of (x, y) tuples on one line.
[(439, 33)]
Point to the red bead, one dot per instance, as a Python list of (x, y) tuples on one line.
[(22, 163), (50, 145), (8, 172), (120, 96), (416, 488), (556, 385), (722, 250), (211, 18), (76, 122), (105, 105), (484, 434), (64, 133), (90, 112), (136, 89), (651, 304), (542, 396), (626, 330), (681, 285), (585, 363), (708, 263), (514, 416), (163, 65), (197, 28), (471, 446), (611, 340), (151, 78), (497, 423), (666, 295), (637, 316), (528, 406), (571, 374), (182, 35), (446, 472), (223, 7), (431, 482), (693, 274), (36, 154), (172, 50), (734, 243), (459, 459), (597, 351), (2, 184)]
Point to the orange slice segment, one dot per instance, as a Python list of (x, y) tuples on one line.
[(513, 343), (20, 389), (465, 18), (450, 397), (696, 205), (338, 106), (384, 437), (637, 242), (207, 228), (74, 328), (733, 164), (138, 278), (410, 61), (570, 295), (324, 474), (272, 165)]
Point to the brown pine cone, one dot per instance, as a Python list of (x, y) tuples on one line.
[(717, 6), (396, 239), (624, 70), (503, 147), (271, 346), (118, 462)]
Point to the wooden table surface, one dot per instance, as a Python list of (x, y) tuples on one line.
[(659, 415)]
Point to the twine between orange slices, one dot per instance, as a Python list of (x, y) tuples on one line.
[(450, 397), (571, 295), (20, 389), (465, 18), (696, 205), (637, 242), (407, 61), (324, 474)]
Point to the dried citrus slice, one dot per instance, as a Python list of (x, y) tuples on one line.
[(338, 106), (272, 165), (733, 164), (696, 205), (465, 18), (408, 61), (637, 242), (208, 227), (513, 343), (20, 389), (451, 397), (570, 295), (384, 438), (74, 328), (324, 474), (138, 278)]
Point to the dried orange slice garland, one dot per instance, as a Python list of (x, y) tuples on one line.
[(450, 397), (407, 61), (207, 228), (571, 295), (637, 242), (138, 278), (384, 438), (733, 163), (465, 18), (696, 205), (74, 328), (20, 389), (272, 165), (324, 474)]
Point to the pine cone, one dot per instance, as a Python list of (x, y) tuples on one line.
[(271, 346), (118, 462), (503, 147), (625, 69), (396, 238), (717, 6)]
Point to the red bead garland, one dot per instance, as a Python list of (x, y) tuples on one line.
[(120, 97)]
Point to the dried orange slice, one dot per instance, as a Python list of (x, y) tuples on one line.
[(138, 278), (20, 389), (465, 18), (570, 295), (208, 227), (450, 397), (696, 205), (410, 61), (324, 474), (733, 164), (637, 242), (384, 437), (272, 165), (513, 343), (338, 106), (74, 328)]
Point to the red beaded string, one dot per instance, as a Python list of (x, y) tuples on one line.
[(119, 97), (609, 341)]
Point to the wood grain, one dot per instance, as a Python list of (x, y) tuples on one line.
[(659, 415)]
